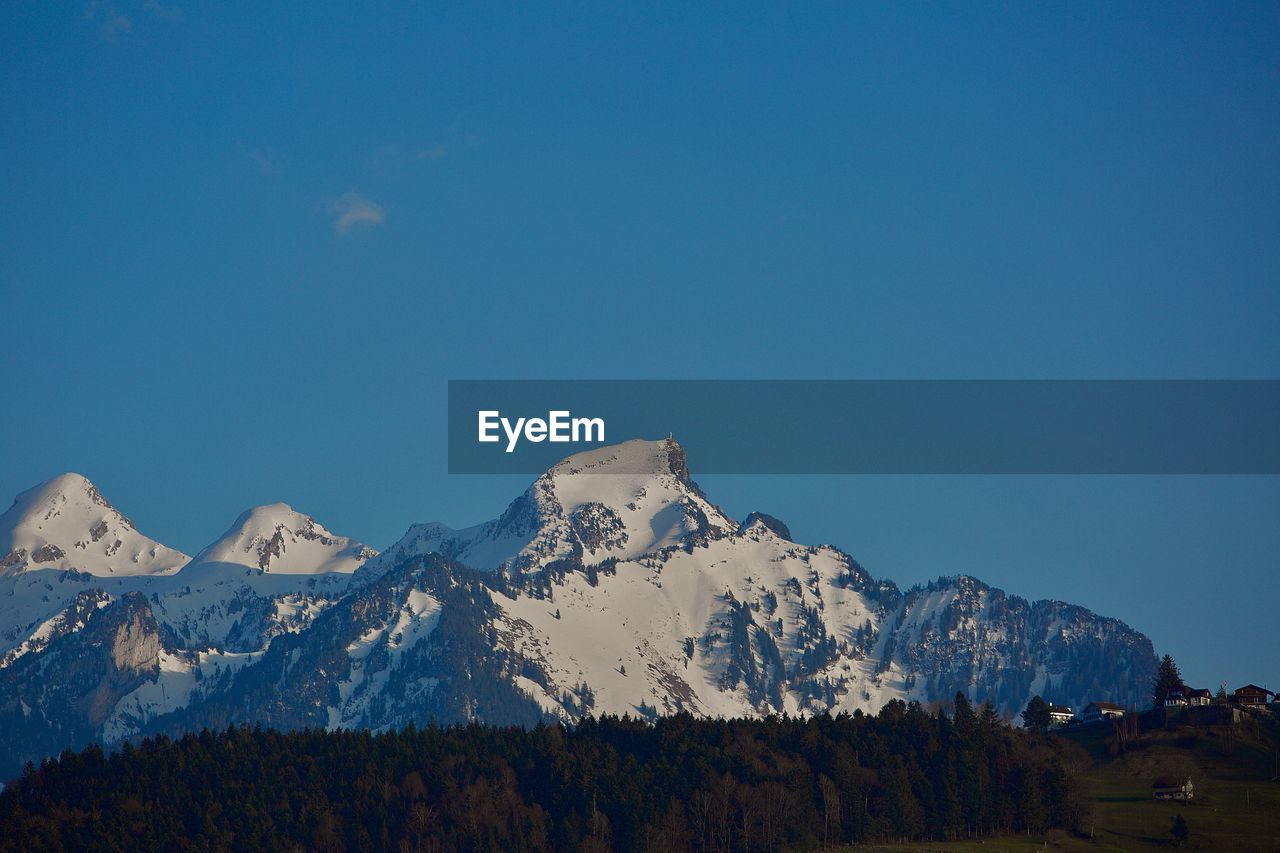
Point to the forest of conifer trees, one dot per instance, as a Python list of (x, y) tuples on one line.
[(677, 783)]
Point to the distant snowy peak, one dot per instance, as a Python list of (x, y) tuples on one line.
[(618, 502), (280, 540), (66, 523)]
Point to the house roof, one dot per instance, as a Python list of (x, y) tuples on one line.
[(1164, 782), (1200, 692), (1107, 706), (1060, 709), (1253, 688)]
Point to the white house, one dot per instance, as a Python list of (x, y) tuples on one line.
[(1168, 789), (1184, 695), (1102, 711)]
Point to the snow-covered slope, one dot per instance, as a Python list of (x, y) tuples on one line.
[(66, 523), (745, 624), (279, 540)]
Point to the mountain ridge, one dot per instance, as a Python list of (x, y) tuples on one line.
[(612, 584)]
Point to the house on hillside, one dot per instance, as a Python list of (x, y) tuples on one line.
[(1102, 711), (1168, 789), (1199, 697), (1212, 715), (1252, 696), (1176, 697), (1060, 715)]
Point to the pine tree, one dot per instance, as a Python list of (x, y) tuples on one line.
[(1167, 678), (1179, 830), (1037, 714), (966, 720)]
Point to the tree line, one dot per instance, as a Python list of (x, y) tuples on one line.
[(676, 783)]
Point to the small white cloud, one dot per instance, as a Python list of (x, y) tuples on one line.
[(155, 7), (266, 160), (110, 20), (395, 157), (354, 209)]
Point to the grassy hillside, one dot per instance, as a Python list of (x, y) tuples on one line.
[(1237, 800), (1237, 797)]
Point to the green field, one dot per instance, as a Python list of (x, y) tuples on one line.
[(1236, 804)]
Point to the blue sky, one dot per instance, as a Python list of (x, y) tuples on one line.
[(245, 248)]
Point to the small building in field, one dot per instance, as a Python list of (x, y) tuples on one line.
[(1199, 697), (1060, 715), (1101, 711), (1169, 789), (1251, 695)]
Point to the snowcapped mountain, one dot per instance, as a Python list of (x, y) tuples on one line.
[(66, 523), (171, 625), (277, 539), (612, 584), (614, 503)]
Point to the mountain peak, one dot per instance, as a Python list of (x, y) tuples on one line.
[(69, 485), (66, 523), (613, 502), (270, 514), (768, 522), (630, 458), (67, 481), (277, 538)]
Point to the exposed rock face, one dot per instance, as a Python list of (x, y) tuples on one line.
[(15, 559), (115, 655), (47, 553), (598, 527), (60, 695), (768, 522), (136, 647), (677, 464)]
